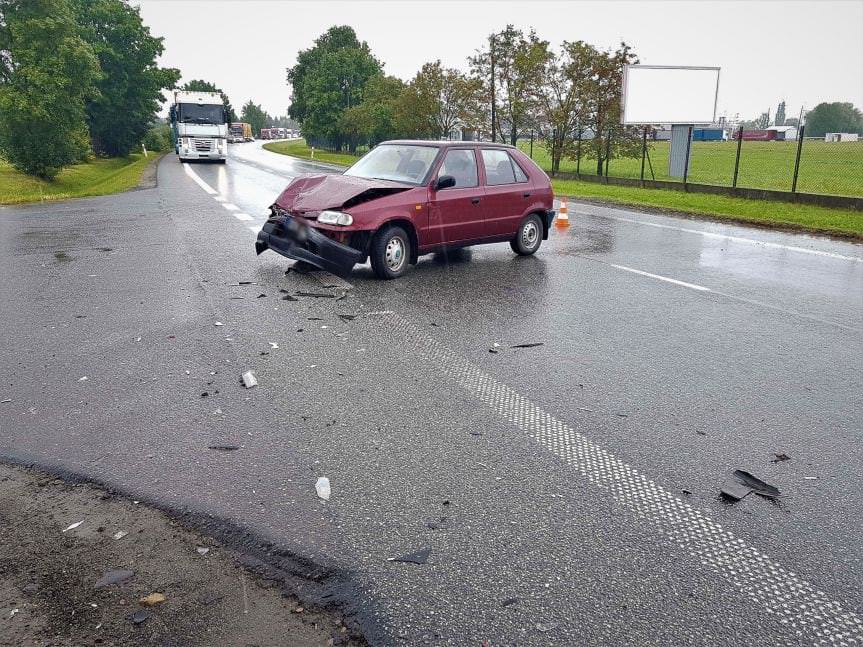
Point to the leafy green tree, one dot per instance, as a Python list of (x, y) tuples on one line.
[(506, 69), (438, 100), (328, 79), (130, 88), (373, 120), (779, 120), (47, 72), (834, 117), (255, 116), (199, 85)]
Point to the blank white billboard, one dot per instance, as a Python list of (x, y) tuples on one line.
[(661, 94)]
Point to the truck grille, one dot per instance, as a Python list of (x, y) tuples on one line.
[(203, 145)]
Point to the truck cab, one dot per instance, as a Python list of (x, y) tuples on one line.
[(199, 124)]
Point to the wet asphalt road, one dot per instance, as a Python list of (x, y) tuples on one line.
[(568, 492)]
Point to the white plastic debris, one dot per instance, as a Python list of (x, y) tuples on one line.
[(217, 412), (322, 487), (82, 379), (203, 550), (120, 534), (273, 345), (249, 379), (219, 323), (13, 612), (73, 526)]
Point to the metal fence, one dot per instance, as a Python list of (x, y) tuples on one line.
[(799, 166)]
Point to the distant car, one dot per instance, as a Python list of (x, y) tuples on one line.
[(408, 198)]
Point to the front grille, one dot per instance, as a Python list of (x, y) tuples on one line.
[(203, 145)]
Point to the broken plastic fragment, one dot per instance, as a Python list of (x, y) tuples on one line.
[(219, 323), (139, 616), (224, 448), (322, 487), (419, 557), (120, 534), (113, 577), (82, 379), (743, 483), (202, 550), (780, 457), (249, 379), (273, 345), (73, 526), (152, 600), (533, 345), (546, 626)]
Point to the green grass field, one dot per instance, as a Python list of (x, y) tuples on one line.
[(828, 168), (97, 177), (298, 148), (810, 218)]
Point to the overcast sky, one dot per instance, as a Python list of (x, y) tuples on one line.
[(804, 51)]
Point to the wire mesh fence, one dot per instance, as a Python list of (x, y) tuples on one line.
[(745, 159)]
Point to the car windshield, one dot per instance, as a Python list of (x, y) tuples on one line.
[(398, 162), (193, 113)]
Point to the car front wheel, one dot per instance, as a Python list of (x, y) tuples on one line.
[(529, 236), (390, 252)]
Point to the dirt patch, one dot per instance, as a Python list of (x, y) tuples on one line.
[(49, 571), (150, 176)]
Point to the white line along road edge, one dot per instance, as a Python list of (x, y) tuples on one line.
[(191, 173), (806, 610)]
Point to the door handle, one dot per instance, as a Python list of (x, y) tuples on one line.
[(475, 201), (525, 195)]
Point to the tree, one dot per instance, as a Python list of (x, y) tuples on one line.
[(373, 120), (833, 118), (255, 116), (328, 79), (47, 71), (507, 70), (131, 84), (199, 85), (438, 100), (779, 120)]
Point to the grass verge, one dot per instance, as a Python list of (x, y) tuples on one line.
[(778, 215), (97, 177), (298, 148)]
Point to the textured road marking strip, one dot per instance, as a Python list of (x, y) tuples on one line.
[(242, 216), (808, 612), (191, 173), (700, 288), (736, 239)]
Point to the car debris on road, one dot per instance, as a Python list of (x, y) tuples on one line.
[(743, 483), (418, 557), (249, 380)]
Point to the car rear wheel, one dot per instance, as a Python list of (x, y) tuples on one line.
[(529, 236), (390, 252)]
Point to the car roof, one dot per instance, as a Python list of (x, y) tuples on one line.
[(445, 143)]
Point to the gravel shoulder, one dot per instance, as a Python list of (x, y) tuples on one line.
[(49, 574)]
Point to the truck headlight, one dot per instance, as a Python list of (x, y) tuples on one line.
[(335, 218)]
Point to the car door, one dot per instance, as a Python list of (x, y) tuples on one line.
[(456, 213), (507, 192)]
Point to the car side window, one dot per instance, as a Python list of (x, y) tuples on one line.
[(520, 175), (461, 164), (498, 167)]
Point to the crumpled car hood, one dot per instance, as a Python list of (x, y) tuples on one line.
[(313, 192)]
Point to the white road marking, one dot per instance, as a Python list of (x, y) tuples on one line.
[(684, 284), (219, 198), (736, 239), (242, 216), (230, 207), (191, 173), (254, 228), (811, 616)]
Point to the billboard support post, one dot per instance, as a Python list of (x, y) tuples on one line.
[(688, 151)]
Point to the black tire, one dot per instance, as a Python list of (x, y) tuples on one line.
[(390, 252), (528, 238)]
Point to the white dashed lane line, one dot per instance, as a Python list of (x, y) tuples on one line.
[(808, 612), (239, 215), (684, 284)]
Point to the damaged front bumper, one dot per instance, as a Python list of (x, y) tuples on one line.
[(295, 239)]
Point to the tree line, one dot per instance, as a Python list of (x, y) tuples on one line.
[(517, 83), (76, 77)]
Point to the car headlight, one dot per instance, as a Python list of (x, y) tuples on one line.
[(335, 218)]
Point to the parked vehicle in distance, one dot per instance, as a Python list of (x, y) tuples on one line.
[(240, 132), (199, 123), (265, 133), (408, 198)]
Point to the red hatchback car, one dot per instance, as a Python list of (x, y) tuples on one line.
[(408, 198)]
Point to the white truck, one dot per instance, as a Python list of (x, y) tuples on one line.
[(200, 126)]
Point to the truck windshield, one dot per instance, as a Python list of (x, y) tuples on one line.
[(193, 113), (398, 162), (236, 129)]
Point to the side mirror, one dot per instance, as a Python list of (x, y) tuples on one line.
[(444, 182)]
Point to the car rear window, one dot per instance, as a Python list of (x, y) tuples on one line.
[(500, 168), (461, 164)]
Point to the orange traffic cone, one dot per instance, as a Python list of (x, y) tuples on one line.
[(562, 220)]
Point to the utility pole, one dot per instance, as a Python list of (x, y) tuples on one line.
[(493, 100)]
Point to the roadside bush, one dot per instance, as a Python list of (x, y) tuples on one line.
[(158, 138)]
